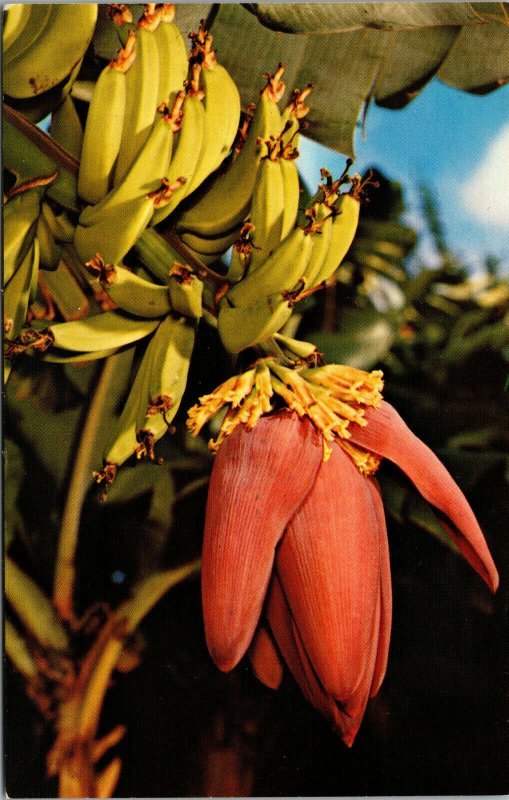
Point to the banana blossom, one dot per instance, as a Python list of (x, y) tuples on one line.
[(295, 555)]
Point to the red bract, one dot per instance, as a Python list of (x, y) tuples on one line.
[(308, 538)]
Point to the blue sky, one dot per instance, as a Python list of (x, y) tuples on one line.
[(456, 143)]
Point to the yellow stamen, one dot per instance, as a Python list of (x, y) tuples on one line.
[(332, 397)]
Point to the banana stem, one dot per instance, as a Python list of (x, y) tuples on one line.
[(45, 143), (65, 569)]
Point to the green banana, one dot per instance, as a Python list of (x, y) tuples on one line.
[(103, 129), (267, 207), (133, 415), (173, 345), (209, 248), (115, 232), (292, 114), (173, 61), (66, 127), (18, 291), (60, 41), (226, 201), (291, 188), (133, 294), (50, 252), (282, 271), (156, 254), (241, 254), (145, 174), (142, 88), (320, 252), (183, 163), (60, 224), (344, 226), (222, 109), (186, 291), (156, 392), (65, 292), (246, 326), (21, 212), (22, 27), (111, 329)]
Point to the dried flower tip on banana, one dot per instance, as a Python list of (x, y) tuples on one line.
[(119, 13)]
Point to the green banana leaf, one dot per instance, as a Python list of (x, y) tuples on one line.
[(354, 51), (478, 61), (340, 17)]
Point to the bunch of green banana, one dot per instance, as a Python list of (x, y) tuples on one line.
[(156, 392), (103, 130), (113, 225), (211, 225), (43, 44), (260, 303), (211, 120)]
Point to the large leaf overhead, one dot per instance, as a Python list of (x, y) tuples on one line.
[(479, 59), (352, 52), (342, 67), (339, 17), (413, 57)]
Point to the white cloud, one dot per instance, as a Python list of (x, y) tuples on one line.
[(486, 193)]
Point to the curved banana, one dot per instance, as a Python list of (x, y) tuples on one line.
[(226, 202), (267, 206), (111, 329), (130, 292), (142, 89), (19, 225), (61, 41), (103, 129), (173, 345), (173, 60), (66, 127), (222, 109), (246, 326), (210, 248), (282, 271), (291, 188), (184, 160), (133, 415), (321, 246), (147, 171), (186, 291), (50, 252), (115, 231), (23, 26), (292, 114), (60, 225), (17, 293), (344, 226), (156, 392)]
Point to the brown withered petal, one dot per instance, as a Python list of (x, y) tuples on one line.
[(259, 479), (385, 590), (329, 567), (387, 435), (265, 660)]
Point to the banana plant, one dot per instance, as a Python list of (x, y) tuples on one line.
[(159, 243)]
